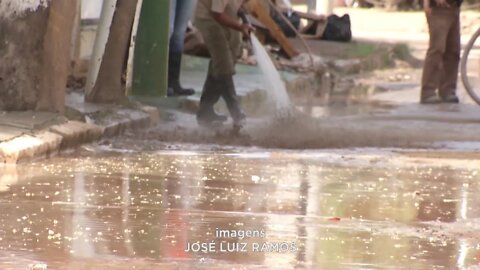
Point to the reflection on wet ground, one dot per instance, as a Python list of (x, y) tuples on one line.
[(236, 209)]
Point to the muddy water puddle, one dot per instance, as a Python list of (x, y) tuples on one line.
[(187, 207)]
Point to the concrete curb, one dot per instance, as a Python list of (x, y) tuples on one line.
[(52, 140), (28, 147)]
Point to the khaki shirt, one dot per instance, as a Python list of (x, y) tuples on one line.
[(205, 7)]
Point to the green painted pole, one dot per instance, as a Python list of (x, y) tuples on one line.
[(150, 66)]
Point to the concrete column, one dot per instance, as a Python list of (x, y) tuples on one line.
[(150, 69), (35, 41)]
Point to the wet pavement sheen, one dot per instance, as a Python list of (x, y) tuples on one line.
[(241, 208)]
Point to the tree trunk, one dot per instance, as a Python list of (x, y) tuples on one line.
[(108, 86), (57, 45)]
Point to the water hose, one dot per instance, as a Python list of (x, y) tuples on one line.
[(243, 16), (309, 50)]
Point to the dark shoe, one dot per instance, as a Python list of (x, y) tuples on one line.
[(209, 123), (431, 100), (239, 120), (208, 117), (452, 98), (211, 116), (218, 117), (174, 86), (176, 92)]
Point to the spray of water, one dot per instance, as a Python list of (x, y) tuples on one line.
[(275, 87)]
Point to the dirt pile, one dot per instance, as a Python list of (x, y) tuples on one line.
[(300, 131)]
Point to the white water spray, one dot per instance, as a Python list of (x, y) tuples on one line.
[(274, 84)]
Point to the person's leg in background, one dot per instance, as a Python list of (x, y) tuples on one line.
[(438, 25), (181, 13), (173, 8), (451, 59)]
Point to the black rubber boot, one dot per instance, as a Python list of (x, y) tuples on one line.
[(206, 114), (174, 86), (229, 94)]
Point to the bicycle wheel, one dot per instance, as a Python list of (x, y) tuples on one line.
[(470, 67)]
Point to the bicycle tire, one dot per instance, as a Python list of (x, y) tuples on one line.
[(463, 67)]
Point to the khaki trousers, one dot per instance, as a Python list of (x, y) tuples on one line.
[(224, 45), (440, 71)]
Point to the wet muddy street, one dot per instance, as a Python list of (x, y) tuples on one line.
[(339, 164), (157, 206)]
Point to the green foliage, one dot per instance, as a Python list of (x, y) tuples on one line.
[(402, 52), (361, 50)]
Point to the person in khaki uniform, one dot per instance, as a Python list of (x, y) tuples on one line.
[(218, 22), (440, 71)]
